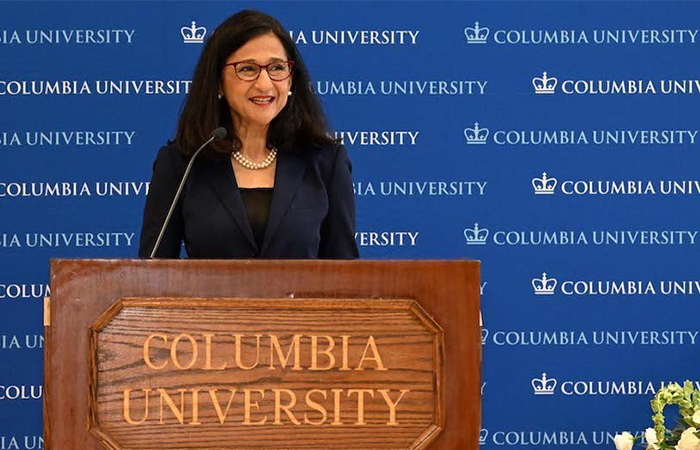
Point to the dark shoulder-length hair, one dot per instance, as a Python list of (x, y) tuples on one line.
[(300, 124)]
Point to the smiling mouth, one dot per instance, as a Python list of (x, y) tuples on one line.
[(262, 100)]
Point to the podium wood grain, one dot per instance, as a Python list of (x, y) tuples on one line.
[(385, 299)]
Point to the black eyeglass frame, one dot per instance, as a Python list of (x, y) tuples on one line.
[(260, 68)]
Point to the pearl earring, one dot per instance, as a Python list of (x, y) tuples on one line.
[(220, 95), (289, 93)]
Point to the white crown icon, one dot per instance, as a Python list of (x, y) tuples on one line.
[(477, 34), (544, 285), (544, 385), (544, 85), (476, 135), (193, 34), (483, 434), (544, 185), (476, 235), (484, 336)]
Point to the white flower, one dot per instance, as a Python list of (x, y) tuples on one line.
[(696, 417), (688, 440), (624, 441), (650, 436)]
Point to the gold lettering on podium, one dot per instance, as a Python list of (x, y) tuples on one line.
[(249, 404), (179, 413), (239, 362), (173, 352), (195, 407), (215, 399), (147, 355), (392, 405), (127, 407), (336, 406), (371, 345), (361, 403), (294, 346), (315, 352), (286, 408), (313, 405), (190, 404), (346, 341), (292, 406), (207, 347)]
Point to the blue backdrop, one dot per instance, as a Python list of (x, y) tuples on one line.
[(89, 92)]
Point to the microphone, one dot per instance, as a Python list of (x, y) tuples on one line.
[(216, 135)]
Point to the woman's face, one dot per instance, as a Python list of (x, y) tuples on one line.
[(241, 95)]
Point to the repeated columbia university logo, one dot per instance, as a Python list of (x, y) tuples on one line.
[(577, 338), (476, 34), (548, 84), (21, 341), (354, 37), (24, 291), (21, 392), (70, 240), (476, 135), (401, 87), (480, 34), (67, 36), (386, 238), (544, 285), (548, 386), (550, 438), (21, 442), (378, 138), (547, 185), (74, 189), (193, 34), (429, 188), (94, 87), (547, 285), (633, 138), (544, 386), (479, 235), (68, 138)]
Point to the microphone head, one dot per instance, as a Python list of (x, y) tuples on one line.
[(219, 133)]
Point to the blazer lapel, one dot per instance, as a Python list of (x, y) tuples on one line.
[(288, 175), (223, 180)]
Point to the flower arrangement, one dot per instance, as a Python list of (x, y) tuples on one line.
[(685, 436)]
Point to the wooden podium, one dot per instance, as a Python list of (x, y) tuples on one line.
[(262, 354)]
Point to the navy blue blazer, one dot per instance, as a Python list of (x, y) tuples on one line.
[(312, 214)]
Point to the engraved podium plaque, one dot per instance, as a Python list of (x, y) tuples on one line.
[(265, 373)]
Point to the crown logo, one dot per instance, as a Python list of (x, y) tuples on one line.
[(544, 385), (544, 285), (193, 34), (544, 85), (484, 335), (476, 135), (483, 434), (476, 235), (477, 34), (544, 185)]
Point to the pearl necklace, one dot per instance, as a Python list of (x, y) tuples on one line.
[(248, 164)]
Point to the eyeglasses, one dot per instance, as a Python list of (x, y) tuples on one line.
[(250, 71)]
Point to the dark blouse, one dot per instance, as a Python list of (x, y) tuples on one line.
[(257, 206)]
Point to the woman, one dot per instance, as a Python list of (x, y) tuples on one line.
[(278, 186)]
